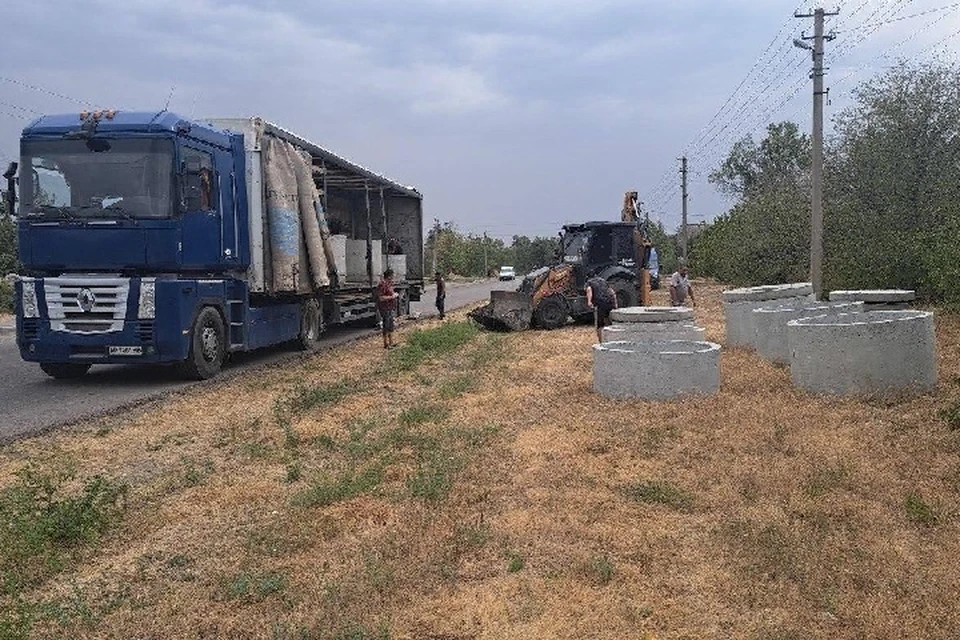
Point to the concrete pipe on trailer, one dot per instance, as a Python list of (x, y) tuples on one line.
[(656, 370), (646, 331), (877, 299), (863, 353), (739, 304), (770, 325)]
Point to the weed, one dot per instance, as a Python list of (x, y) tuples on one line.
[(766, 552), (919, 511), (325, 442), (825, 480), (253, 587), (516, 563), (424, 413), (330, 490), (294, 472), (653, 440), (42, 523), (951, 416), (600, 570), (193, 474), (659, 493)]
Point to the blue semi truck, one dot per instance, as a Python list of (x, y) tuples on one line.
[(153, 238)]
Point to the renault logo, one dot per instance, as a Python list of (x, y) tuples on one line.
[(86, 300)]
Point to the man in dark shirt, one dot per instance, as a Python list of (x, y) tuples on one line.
[(441, 292), (602, 299), (387, 307)]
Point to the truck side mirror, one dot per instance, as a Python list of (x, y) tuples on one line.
[(11, 196)]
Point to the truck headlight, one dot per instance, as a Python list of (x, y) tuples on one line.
[(147, 309), (28, 298)]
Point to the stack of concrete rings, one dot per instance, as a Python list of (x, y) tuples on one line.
[(738, 306), (656, 370)]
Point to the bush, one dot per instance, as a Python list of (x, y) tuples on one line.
[(7, 302)]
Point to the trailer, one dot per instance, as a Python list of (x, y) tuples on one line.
[(152, 238)]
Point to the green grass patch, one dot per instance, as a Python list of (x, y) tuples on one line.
[(328, 490), (828, 479), (919, 511), (457, 386), (951, 416), (305, 398), (423, 414), (516, 563), (256, 587), (600, 570), (659, 493), (6, 299), (425, 344), (42, 522), (435, 475)]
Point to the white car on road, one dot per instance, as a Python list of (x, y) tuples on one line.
[(507, 273)]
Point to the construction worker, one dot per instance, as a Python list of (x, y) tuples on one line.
[(602, 299), (680, 288), (441, 293)]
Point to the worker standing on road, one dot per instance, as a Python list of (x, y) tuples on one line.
[(680, 288), (441, 293), (602, 299), (387, 307)]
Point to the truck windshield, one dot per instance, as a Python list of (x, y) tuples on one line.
[(97, 178)]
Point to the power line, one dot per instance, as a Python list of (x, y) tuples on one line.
[(55, 94), (901, 18)]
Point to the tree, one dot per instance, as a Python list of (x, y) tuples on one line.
[(9, 257), (780, 161), (893, 183)]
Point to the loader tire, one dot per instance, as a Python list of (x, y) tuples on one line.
[(626, 291), (551, 313)]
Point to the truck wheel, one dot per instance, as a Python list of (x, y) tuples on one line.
[(311, 325), (626, 293), (207, 348), (551, 313), (64, 370)]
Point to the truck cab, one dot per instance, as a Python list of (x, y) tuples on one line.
[(147, 238)]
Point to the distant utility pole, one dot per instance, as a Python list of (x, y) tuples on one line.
[(816, 197), (486, 269), (436, 241), (683, 213)]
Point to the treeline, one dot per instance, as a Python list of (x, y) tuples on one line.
[(469, 254), (891, 206)]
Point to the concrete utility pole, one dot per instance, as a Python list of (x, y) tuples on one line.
[(486, 269), (683, 214), (816, 178), (436, 241)]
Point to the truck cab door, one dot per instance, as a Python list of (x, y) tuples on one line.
[(201, 223)]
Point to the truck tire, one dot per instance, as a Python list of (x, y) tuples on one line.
[(207, 347), (64, 370), (551, 313), (626, 293), (311, 325)]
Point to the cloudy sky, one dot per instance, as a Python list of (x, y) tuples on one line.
[(511, 116)]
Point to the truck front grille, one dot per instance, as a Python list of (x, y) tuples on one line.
[(30, 328), (86, 305)]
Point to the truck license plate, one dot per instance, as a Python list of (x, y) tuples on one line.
[(125, 351)]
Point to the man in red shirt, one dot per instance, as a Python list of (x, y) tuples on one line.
[(387, 307)]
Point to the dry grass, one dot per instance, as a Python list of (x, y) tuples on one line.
[(489, 493)]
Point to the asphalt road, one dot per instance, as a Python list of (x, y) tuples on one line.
[(30, 402)]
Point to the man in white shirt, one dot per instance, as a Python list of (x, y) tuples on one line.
[(680, 288)]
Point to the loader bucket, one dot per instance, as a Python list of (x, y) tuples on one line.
[(506, 311)]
